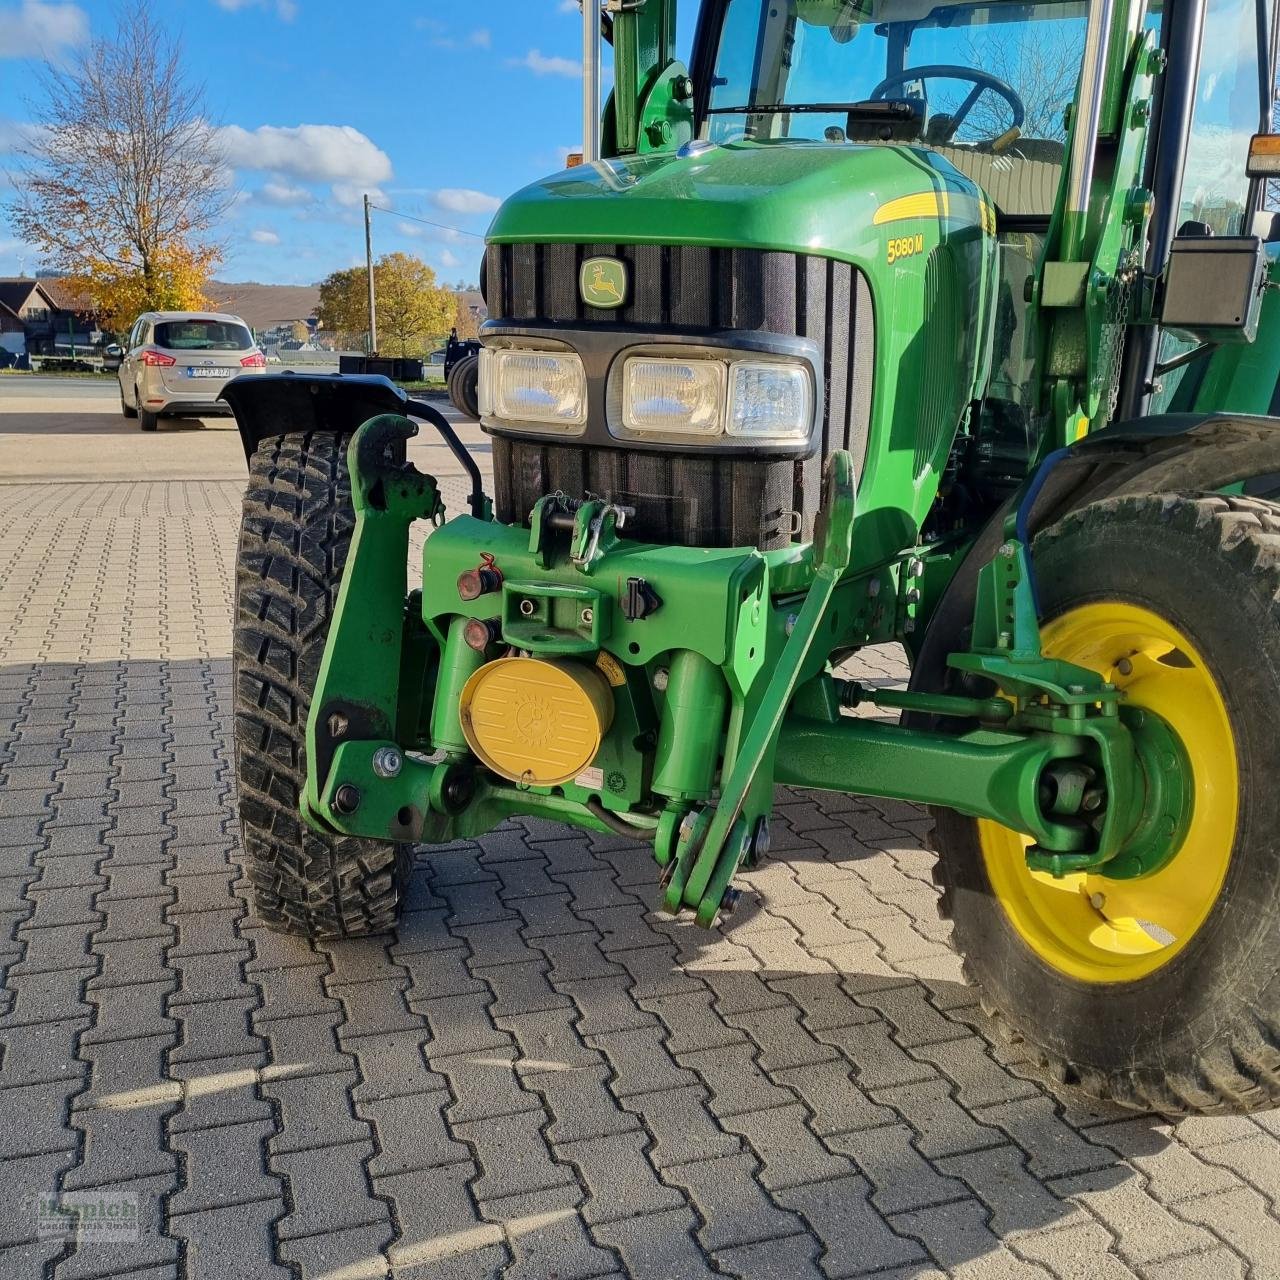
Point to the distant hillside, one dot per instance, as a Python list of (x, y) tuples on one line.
[(263, 306)]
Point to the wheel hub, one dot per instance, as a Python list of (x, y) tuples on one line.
[(1123, 920)]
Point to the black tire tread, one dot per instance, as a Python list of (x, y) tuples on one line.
[(295, 532), (462, 385), (1241, 1070)]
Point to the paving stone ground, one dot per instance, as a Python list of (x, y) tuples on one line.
[(538, 1076)]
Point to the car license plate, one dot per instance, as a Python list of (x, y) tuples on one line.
[(207, 371)]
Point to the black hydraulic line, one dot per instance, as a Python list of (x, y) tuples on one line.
[(1175, 107), (428, 413), (617, 823)]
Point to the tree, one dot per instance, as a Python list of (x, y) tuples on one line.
[(1042, 71), (124, 177), (413, 309), (464, 319)]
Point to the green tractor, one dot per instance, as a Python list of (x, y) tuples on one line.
[(948, 324)]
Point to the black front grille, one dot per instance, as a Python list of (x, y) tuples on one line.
[(681, 497)]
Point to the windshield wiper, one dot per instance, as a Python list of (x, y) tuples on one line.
[(867, 109)]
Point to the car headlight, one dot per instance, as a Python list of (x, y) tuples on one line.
[(533, 386), (769, 402), (673, 397)]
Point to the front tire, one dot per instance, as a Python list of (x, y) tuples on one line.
[(464, 381), (1161, 991), (294, 537)]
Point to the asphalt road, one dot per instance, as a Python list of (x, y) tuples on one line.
[(537, 1076)]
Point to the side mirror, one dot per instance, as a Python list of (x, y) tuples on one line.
[(1264, 156), (1213, 287)]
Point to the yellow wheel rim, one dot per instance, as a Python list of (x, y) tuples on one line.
[(1098, 929)]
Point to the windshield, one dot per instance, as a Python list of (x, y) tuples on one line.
[(985, 84), (203, 335)]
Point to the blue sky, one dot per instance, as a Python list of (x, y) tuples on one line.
[(441, 106)]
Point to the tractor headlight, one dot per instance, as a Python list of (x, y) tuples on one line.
[(533, 386), (711, 394), (673, 397), (769, 402)]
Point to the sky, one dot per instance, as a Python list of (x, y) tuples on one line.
[(437, 108)]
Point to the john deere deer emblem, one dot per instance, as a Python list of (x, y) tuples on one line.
[(603, 282)]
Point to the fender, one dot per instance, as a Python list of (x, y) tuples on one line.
[(1205, 452), (277, 404), (280, 404)]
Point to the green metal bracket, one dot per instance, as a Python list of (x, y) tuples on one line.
[(725, 842), (1006, 637), (547, 618), (356, 698)]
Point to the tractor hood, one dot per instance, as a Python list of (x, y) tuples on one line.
[(838, 201)]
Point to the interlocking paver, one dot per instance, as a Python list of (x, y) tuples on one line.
[(548, 1237), (538, 1074), (619, 1179)]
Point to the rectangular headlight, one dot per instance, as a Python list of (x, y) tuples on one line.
[(769, 402), (533, 386), (675, 397)]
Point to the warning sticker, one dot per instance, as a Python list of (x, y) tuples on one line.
[(590, 779), (611, 669)]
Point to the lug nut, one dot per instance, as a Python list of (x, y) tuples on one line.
[(480, 633), (346, 799), (527, 608), (587, 617), (1124, 667), (387, 762)]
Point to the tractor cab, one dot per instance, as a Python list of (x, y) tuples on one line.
[(950, 326)]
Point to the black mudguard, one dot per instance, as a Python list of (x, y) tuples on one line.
[(277, 404), (1176, 451)]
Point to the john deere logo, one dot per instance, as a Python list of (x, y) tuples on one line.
[(604, 282)]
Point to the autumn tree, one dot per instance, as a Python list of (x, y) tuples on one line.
[(464, 319), (413, 310), (124, 180)]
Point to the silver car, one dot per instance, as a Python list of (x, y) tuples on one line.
[(177, 362)]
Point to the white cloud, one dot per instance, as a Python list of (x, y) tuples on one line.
[(263, 236), (409, 229), (16, 134), (353, 193), (286, 10), (449, 259), (482, 38), (461, 200), (42, 30), (334, 153), (283, 193), (540, 64), (570, 6)]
